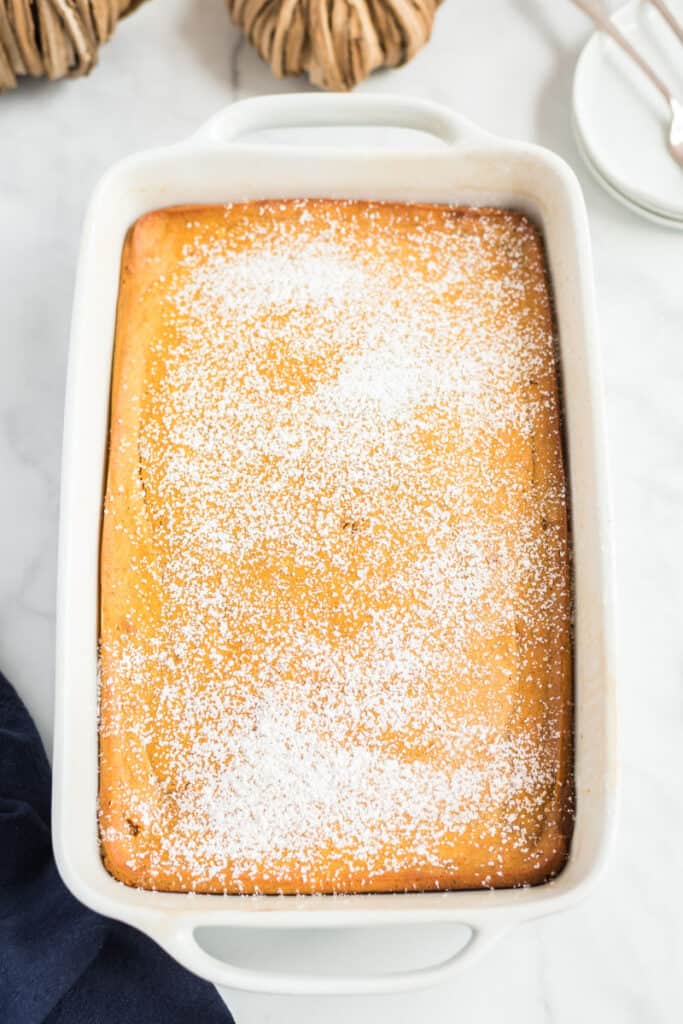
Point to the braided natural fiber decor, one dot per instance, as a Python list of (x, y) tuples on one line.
[(54, 38), (337, 43)]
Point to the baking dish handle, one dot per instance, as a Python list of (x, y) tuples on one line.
[(261, 113), (181, 943)]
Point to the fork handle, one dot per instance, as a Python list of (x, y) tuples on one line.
[(669, 17), (606, 25)]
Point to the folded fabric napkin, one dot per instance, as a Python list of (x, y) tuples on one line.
[(60, 962)]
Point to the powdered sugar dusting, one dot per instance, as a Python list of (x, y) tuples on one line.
[(340, 661)]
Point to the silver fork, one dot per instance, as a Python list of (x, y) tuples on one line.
[(669, 17), (606, 25)]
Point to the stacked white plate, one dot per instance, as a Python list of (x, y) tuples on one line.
[(621, 121)]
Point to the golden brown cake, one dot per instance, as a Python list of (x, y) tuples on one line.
[(335, 587)]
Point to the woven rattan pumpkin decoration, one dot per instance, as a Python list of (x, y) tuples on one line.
[(54, 38), (337, 43)]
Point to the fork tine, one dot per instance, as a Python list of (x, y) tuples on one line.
[(669, 17)]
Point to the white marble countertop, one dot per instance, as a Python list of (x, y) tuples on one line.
[(508, 65)]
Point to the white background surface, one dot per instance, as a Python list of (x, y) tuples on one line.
[(507, 64)]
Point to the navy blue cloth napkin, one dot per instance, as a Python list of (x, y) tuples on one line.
[(61, 963)]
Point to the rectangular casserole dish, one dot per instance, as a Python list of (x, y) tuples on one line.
[(472, 168)]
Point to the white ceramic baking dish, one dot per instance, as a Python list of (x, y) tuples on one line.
[(217, 165)]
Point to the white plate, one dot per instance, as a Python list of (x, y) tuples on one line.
[(622, 121), (642, 211)]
